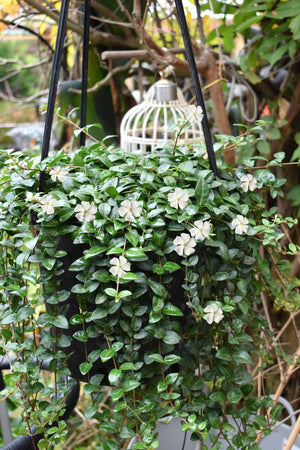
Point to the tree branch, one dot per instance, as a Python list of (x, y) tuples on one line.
[(96, 37)]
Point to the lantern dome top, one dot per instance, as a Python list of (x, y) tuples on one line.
[(150, 124)]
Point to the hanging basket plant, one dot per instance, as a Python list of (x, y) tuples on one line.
[(142, 275)]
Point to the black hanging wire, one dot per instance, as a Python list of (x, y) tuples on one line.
[(196, 83), (58, 53), (85, 63)]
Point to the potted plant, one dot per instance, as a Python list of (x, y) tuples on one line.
[(150, 268)]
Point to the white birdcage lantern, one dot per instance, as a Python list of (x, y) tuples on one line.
[(151, 123)]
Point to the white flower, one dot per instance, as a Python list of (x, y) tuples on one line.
[(130, 209), (248, 182), (201, 230), (240, 224), (119, 266), (213, 313), (85, 211), (194, 113), (178, 198), (59, 173), (184, 244), (48, 204)]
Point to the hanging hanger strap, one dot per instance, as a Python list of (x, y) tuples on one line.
[(59, 45), (196, 83), (84, 69), (58, 53)]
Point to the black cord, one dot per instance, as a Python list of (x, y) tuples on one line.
[(85, 63), (196, 83), (58, 53)]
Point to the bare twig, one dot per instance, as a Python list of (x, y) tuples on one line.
[(283, 382), (107, 78), (293, 436)]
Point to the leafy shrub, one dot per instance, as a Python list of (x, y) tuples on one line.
[(151, 270)]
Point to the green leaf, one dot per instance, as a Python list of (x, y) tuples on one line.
[(112, 191), (128, 366), (116, 346), (7, 320), (276, 411), (85, 367), (224, 354), (129, 276), (186, 167), (135, 252), (114, 375), (158, 304), (130, 385), (234, 396), (65, 214), (22, 258), (221, 248), (99, 313), (124, 293), (263, 147), (296, 154), (161, 387), (106, 354), (287, 9), (171, 359), (90, 411), (171, 266), (81, 335), (61, 322), (201, 191), (24, 313), (133, 237), (79, 289), (260, 421), (116, 394), (156, 357), (220, 276), (111, 292), (110, 445), (242, 356), (32, 243), (157, 288), (115, 251), (218, 397), (93, 251), (171, 378), (170, 337), (172, 310), (48, 263), (275, 55)]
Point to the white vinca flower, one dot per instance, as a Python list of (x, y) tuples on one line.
[(178, 199), (248, 182), (119, 266), (184, 244), (193, 113), (213, 313), (240, 224), (85, 211), (201, 230), (59, 173), (48, 203), (130, 209)]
